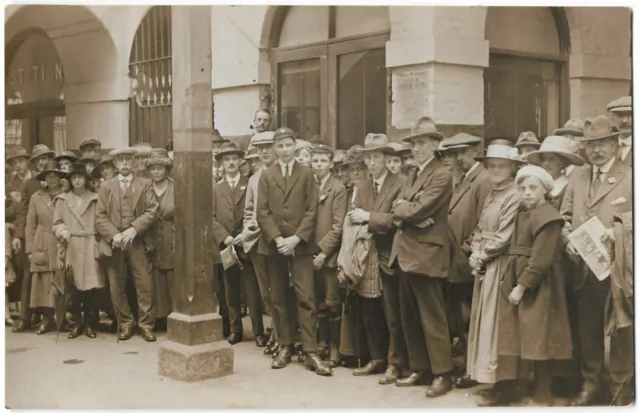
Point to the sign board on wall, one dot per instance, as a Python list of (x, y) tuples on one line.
[(409, 90)]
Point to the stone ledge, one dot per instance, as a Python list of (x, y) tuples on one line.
[(194, 330), (599, 67), (195, 363)]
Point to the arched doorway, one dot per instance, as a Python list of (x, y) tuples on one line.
[(34, 101), (525, 85), (329, 73), (150, 118)]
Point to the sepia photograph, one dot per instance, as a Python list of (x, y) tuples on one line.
[(318, 206)]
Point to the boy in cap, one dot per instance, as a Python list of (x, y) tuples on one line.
[(622, 111)]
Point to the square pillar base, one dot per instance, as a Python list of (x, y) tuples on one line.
[(195, 363)]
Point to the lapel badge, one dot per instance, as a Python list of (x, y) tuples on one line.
[(612, 180)]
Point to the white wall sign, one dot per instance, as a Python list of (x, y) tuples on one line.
[(409, 94)]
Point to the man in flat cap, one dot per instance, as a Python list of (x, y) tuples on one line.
[(287, 206), (622, 112), (603, 190), (90, 147), (422, 254), (126, 209)]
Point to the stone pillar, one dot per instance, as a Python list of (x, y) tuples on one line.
[(195, 348), (437, 56)]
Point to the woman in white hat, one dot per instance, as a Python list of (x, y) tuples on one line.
[(534, 320), (555, 156), (488, 261)]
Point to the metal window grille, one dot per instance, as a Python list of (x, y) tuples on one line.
[(150, 69)]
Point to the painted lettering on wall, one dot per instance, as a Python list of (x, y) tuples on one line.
[(35, 74)]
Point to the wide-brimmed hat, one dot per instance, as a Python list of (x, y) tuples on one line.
[(41, 150), (443, 149), (104, 159), (400, 149), (78, 168), (51, 166), (17, 152), (252, 153), (158, 156), (538, 172), (527, 138), (622, 104), (425, 126), (338, 156), (557, 145), (262, 138), (67, 155), (122, 151), (229, 148), (597, 128), (574, 127), (89, 141), (353, 155), (461, 140), (377, 142), (498, 151), (85, 159)]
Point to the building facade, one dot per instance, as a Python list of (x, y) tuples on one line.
[(73, 72)]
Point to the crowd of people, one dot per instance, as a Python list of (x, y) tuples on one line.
[(389, 258)]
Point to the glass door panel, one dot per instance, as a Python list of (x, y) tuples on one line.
[(300, 97)]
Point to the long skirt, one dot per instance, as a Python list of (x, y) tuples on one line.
[(162, 282), (42, 290)]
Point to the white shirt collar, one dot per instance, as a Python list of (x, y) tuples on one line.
[(233, 181), (604, 168), (424, 165), (473, 168), (288, 164), (380, 180), (625, 141), (122, 178), (559, 184), (569, 169), (324, 180)]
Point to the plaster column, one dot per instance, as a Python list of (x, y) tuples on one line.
[(437, 56), (195, 348)]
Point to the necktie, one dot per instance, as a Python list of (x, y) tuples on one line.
[(286, 175), (595, 184), (375, 190), (125, 183), (318, 183)]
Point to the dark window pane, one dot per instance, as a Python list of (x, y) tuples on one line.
[(300, 97), (361, 96)]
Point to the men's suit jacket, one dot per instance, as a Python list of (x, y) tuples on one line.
[(419, 249), (288, 209), (380, 220), (464, 212), (332, 207), (27, 190), (108, 216), (615, 196), (228, 209)]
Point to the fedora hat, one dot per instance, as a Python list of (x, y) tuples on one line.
[(461, 140), (557, 145), (89, 141), (527, 138), (499, 151), (123, 151), (399, 149), (574, 127), (216, 137), (377, 142), (229, 148), (262, 138), (597, 128), (18, 152), (67, 155), (41, 150), (622, 104), (51, 166), (78, 168), (425, 126), (159, 156), (252, 153)]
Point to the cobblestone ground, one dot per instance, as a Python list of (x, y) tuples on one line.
[(100, 373)]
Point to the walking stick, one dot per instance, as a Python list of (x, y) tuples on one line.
[(122, 294)]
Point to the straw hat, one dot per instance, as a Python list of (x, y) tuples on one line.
[(597, 128), (425, 126), (498, 151), (559, 146), (377, 142), (51, 166)]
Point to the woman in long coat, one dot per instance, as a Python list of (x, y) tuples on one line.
[(74, 224), (489, 261), (41, 244), (162, 233)]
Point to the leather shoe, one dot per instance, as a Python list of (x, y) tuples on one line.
[(21, 326), (391, 375), (75, 332), (261, 341), (90, 332), (416, 378), (441, 385), (271, 349), (282, 358), (372, 367), (585, 398), (125, 333), (43, 329), (313, 363), (334, 356), (464, 382), (234, 338), (147, 334)]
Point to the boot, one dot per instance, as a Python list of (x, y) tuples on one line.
[(335, 321), (334, 356), (323, 334)]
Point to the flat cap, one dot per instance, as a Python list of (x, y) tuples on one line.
[(89, 141), (322, 148), (622, 104), (262, 138), (123, 151), (461, 139), (283, 133)]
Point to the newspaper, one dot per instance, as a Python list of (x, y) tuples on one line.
[(587, 240)]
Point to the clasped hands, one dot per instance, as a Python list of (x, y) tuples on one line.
[(123, 239), (287, 246)]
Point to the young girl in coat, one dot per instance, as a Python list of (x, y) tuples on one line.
[(534, 322)]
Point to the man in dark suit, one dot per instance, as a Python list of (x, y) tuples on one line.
[(602, 190), (374, 200), (467, 202), (228, 211), (422, 253), (126, 209), (287, 206), (332, 207)]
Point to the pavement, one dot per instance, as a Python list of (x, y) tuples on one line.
[(99, 373)]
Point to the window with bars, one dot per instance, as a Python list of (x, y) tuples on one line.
[(150, 69)]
